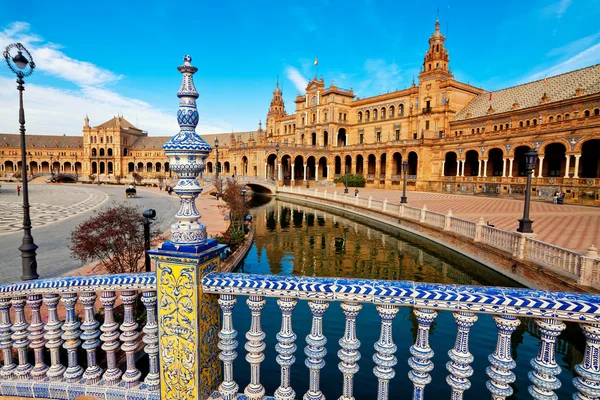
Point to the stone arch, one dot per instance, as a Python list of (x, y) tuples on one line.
[(342, 137), (322, 168), (450, 163), (555, 161), (542, 147), (348, 164), (511, 153), (413, 163), (590, 159), (359, 164), (471, 161), (338, 165), (371, 164), (311, 168), (495, 162), (397, 163), (298, 172)]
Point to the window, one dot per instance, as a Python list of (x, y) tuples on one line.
[(302, 120), (397, 134), (551, 119), (383, 113), (534, 121), (392, 111), (558, 118), (361, 138), (378, 136), (101, 140), (506, 126), (93, 152), (527, 123), (586, 113), (520, 124), (415, 135), (426, 124), (437, 47), (567, 116), (344, 116), (375, 115), (367, 116), (441, 134), (501, 126), (477, 130), (401, 110), (340, 116), (360, 116), (473, 131), (596, 111), (314, 119), (325, 117)]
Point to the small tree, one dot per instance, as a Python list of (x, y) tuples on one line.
[(17, 174), (115, 237), (232, 195), (92, 177), (118, 178), (137, 177)]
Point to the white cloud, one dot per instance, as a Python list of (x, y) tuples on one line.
[(556, 9), (583, 58), (56, 111), (562, 8), (299, 81), (381, 76)]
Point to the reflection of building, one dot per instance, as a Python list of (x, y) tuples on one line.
[(453, 135)]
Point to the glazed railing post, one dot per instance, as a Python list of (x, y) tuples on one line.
[(588, 260), (349, 354), (285, 347), (6, 343), (150, 330), (53, 337), (19, 337), (588, 383), (384, 358), (423, 214), (544, 365), (129, 336), (448, 221), (90, 336), (228, 389), (70, 337), (420, 362), (315, 350), (36, 336), (500, 372), (255, 347), (110, 338), (460, 356)]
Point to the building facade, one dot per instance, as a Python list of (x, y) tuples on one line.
[(455, 137)]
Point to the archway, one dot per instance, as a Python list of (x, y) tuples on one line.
[(311, 168), (149, 167), (94, 167), (286, 168), (397, 164), (359, 165), (244, 166), (299, 168), (67, 168), (56, 167), (227, 167), (323, 168), (371, 162), (471, 163), (209, 167), (109, 152), (348, 165), (271, 167), (101, 152), (34, 168), (313, 138), (158, 167), (413, 164), (338, 165), (325, 138), (9, 166), (78, 167), (519, 165), (45, 167), (382, 165), (450, 164), (140, 167), (131, 167), (590, 159), (102, 168), (110, 167), (554, 160), (342, 139), (495, 162)]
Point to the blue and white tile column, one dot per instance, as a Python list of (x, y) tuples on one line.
[(188, 319)]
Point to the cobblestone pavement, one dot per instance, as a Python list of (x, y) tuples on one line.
[(569, 226), (48, 204)]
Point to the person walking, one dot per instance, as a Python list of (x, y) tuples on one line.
[(160, 186), (18, 190), (355, 192)]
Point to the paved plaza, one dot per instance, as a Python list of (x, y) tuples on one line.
[(569, 226)]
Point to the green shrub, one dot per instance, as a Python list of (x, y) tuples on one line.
[(353, 180), (231, 237)]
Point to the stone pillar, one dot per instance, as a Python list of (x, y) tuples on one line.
[(479, 167), (541, 167), (458, 163), (504, 167), (448, 221), (328, 176), (423, 212), (576, 174), (478, 229), (485, 168), (292, 173), (304, 172), (587, 265), (463, 168), (568, 157), (278, 171), (442, 172), (510, 167)]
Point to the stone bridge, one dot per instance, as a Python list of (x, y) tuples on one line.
[(258, 184)]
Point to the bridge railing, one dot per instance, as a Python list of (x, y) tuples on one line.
[(53, 316), (549, 309), (583, 268)]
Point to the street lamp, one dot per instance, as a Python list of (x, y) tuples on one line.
[(30, 161), (52, 166), (346, 184), (76, 172), (404, 169), (22, 65), (276, 166), (217, 167), (530, 161), (243, 208)]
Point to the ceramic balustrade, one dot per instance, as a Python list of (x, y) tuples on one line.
[(435, 219), (549, 310), (563, 260), (69, 306), (463, 227), (503, 240), (412, 213)]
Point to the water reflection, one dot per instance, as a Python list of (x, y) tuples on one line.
[(296, 240)]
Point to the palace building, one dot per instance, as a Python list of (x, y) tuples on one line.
[(454, 136)]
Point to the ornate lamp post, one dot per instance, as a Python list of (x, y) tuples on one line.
[(276, 165), (76, 172), (404, 169), (243, 208), (346, 183), (530, 161), (22, 65), (30, 161), (52, 166), (217, 167)]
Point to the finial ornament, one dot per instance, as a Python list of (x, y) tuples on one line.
[(187, 153)]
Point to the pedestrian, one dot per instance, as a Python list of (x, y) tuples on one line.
[(169, 190), (18, 190), (160, 185), (355, 192), (555, 197)]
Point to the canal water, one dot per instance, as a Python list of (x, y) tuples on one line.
[(296, 240)]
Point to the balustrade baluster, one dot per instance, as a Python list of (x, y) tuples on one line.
[(501, 360), (286, 348), (315, 350), (384, 358), (544, 365), (53, 337), (110, 338), (228, 389), (349, 353), (255, 347), (20, 339), (129, 336), (36, 336), (6, 342), (70, 338), (151, 340), (90, 336), (588, 383), (420, 362), (460, 356)]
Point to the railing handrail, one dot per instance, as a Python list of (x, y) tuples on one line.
[(74, 284), (553, 246), (481, 299)]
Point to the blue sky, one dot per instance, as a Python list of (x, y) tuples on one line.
[(105, 58)]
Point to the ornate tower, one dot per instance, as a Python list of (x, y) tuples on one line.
[(187, 153), (276, 110), (436, 60)]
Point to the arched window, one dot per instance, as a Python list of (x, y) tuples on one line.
[(506, 126), (596, 111), (101, 152), (495, 127), (558, 118), (473, 130), (401, 110), (477, 130), (314, 117), (367, 116), (302, 120), (125, 152), (93, 152), (360, 116), (430, 67), (586, 113), (437, 47), (551, 119), (375, 115), (392, 109), (109, 152), (534, 121), (527, 123), (383, 113), (567, 116), (501, 126), (520, 124)]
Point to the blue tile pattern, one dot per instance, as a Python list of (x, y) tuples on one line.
[(68, 391), (492, 300)]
